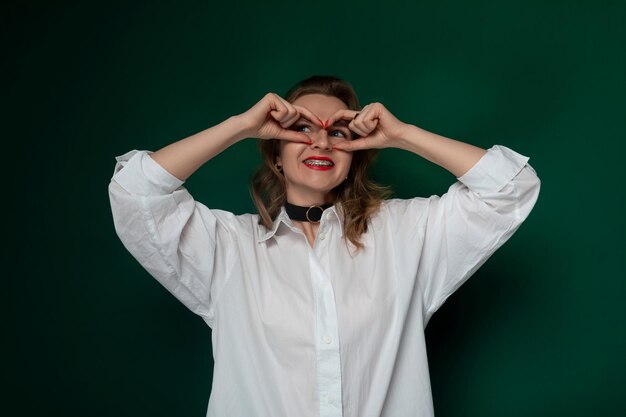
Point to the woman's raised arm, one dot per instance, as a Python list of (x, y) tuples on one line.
[(267, 119), (379, 129)]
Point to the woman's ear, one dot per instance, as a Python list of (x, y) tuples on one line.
[(278, 162), (278, 150)]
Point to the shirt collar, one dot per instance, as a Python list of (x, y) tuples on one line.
[(283, 218)]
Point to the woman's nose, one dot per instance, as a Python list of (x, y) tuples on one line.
[(320, 141)]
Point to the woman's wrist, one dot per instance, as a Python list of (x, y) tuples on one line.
[(410, 138), (238, 128)]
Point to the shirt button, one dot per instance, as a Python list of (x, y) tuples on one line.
[(323, 284), (328, 339), (322, 236)]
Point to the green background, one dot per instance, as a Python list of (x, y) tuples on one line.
[(538, 331)]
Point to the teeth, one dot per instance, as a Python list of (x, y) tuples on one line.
[(318, 163)]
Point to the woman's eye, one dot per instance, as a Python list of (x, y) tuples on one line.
[(338, 134), (302, 128)]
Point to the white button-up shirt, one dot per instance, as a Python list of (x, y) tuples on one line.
[(319, 331)]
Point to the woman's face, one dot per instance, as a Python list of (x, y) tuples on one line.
[(312, 171)]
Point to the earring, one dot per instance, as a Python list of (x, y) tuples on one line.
[(279, 168)]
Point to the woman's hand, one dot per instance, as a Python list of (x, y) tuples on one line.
[(271, 118), (375, 125)]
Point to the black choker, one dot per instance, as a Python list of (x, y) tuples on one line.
[(311, 214)]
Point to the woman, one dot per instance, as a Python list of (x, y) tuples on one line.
[(318, 304)]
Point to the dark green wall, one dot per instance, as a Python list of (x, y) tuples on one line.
[(538, 331)]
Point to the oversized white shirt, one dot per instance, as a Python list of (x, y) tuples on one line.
[(319, 331)]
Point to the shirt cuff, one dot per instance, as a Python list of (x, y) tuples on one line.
[(494, 170), (138, 173)]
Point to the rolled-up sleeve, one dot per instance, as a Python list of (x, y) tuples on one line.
[(187, 247), (467, 224)]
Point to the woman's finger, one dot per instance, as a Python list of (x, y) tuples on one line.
[(343, 114), (300, 113), (307, 114), (279, 113), (358, 129), (293, 136), (363, 125), (367, 120), (280, 109), (288, 122), (353, 145), (370, 125)]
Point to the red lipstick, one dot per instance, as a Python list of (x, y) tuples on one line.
[(319, 163)]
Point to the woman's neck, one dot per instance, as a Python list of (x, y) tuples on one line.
[(309, 230), (308, 197)]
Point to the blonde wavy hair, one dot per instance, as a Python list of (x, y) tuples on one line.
[(359, 197)]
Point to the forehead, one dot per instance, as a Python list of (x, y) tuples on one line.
[(320, 105)]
